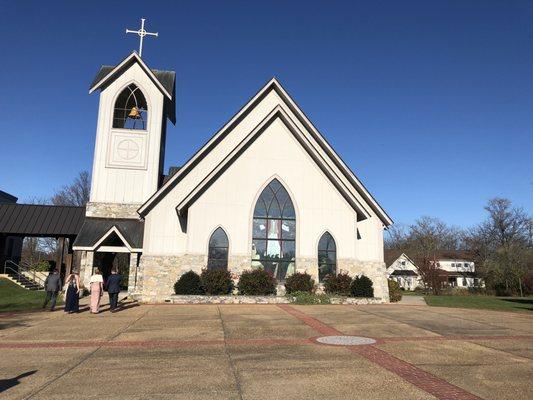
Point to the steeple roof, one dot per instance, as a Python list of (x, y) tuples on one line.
[(165, 81)]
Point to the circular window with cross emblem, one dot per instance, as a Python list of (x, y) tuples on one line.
[(127, 149)]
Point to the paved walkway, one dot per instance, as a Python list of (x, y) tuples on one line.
[(267, 351), (412, 301)]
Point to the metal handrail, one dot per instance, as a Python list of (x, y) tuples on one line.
[(20, 268)]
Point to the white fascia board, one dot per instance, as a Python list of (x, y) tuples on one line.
[(143, 65), (275, 113)]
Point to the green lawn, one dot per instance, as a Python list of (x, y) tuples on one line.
[(15, 298), (482, 302)]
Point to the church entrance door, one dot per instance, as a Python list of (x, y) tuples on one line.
[(107, 261)]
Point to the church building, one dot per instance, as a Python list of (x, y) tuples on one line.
[(266, 191)]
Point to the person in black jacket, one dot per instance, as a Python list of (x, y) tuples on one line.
[(113, 289), (52, 285)]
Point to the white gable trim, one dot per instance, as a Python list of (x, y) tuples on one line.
[(135, 58), (404, 256), (96, 247), (277, 113), (204, 149), (273, 84)]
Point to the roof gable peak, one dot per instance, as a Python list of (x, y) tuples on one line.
[(125, 63), (272, 84)]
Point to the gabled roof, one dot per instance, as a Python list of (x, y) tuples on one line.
[(333, 157), (95, 230), (165, 81), (7, 198), (391, 255), (404, 272)]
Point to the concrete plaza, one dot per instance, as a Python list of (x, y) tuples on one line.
[(266, 352)]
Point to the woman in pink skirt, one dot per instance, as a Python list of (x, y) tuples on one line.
[(97, 290)]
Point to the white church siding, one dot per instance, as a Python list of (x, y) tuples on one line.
[(269, 138), (127, 182), (230, 200)]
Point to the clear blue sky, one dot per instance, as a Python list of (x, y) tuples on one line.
[(429, 102)]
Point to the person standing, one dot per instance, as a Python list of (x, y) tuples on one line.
[(97, 290), (72, 300), (52, 285), (113, 288)]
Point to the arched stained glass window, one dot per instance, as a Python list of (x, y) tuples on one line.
[(327, 256), (218, 250), (274, 231), (131, 110)]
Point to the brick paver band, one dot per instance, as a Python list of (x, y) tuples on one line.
[(153, 343), (429, 383)]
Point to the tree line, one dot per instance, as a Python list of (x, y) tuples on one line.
[(501, 247), (77, 193)]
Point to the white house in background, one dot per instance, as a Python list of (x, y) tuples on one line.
[(455, 269), (458, 272), (266, 191), (402, 269)]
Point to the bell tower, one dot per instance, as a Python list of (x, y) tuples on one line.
[(135, 103)]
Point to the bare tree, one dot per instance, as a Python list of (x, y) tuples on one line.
[(428, 239), (502, 244), (35, 249), (75, 194), (396, 237)]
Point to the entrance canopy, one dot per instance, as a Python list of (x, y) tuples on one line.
[(40, 220), (110, 234)]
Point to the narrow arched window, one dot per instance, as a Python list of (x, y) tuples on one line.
[(218, 250), (131, 110), (274, 231), (327, 256)]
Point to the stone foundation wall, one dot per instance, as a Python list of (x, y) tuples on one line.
[(112, 210), (375, 270), (156, 275), (180, 299)]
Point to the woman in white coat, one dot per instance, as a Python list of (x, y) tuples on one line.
[(97, 290)]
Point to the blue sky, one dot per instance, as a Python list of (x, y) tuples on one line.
[(429, 103)]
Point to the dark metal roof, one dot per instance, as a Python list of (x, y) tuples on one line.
[(171, 171), (94, 229), (166, 78), (404, 272), (7, 198), (40, 220)]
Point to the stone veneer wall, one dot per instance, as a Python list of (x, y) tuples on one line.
[(157, 274), (375, 270), (86, 267), (112, 210)]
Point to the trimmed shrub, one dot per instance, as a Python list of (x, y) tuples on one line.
[(189, 283), (299, 282), (308, 298), (338, 284), (362, 287), (257, 282), (216, 281), (395, 292)]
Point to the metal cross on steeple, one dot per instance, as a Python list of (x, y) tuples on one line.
[(142, 33)]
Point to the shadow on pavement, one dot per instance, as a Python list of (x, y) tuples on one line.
[(9, 383)]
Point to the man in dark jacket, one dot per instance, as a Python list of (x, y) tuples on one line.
[(113, 289), (52, 285)]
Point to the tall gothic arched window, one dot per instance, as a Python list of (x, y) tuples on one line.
[(274, 231), (218, 250), (131, 110), (327, 256)]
